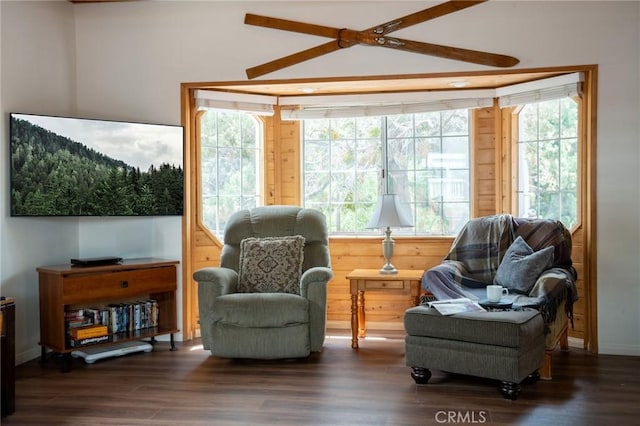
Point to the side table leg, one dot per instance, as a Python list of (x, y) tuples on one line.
[(361, 318), (414, 291), (414, 300), (65, 367), (354, 321)]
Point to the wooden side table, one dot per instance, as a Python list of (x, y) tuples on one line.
[(362, 280), (8, 355)]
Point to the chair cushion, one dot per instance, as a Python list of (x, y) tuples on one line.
[(262, 310), (521, 266), (271, 264)]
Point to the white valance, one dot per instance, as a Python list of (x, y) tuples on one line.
[(365, 105), (568, 85), (254, 104), (381, 104), (382, 110)]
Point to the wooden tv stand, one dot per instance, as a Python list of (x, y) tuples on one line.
[(66, 287)]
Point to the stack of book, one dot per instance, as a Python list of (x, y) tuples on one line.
[(76, 318), (88, 334)]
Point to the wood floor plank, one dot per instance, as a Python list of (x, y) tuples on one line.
[(340, 386)]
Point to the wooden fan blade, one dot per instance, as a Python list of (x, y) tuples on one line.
[(347, 38), (423, 16), (294, 26), (293, 59), (448, 52)]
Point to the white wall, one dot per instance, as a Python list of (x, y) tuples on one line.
[(131, 58), (38, 76)]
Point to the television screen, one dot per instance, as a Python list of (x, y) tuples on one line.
[(63, 166)]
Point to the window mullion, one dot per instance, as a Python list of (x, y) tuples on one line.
[(385, 155)]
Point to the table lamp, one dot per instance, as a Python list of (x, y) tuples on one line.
[(389, 213)]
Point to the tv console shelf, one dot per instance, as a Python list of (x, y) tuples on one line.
[(66, 287)]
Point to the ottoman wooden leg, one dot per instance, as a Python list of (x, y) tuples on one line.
[(545, 368), (420, 375)]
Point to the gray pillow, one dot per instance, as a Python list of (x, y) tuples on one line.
[(271, 265), (521, 266)]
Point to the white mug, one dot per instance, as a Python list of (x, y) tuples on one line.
[(495, 292)]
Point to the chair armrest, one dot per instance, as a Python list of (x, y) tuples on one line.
[(216, 281), (554, 287), (313, 277), (212, 283), (552, 283), (313, 287)]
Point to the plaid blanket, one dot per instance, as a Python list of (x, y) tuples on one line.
[(477, 251)]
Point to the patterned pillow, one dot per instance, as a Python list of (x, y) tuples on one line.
[(271, 265), (521, 266)]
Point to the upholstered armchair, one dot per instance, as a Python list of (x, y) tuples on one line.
[(267, 299), (531, 257)]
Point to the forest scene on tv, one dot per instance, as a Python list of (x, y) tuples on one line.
[(54, 175)]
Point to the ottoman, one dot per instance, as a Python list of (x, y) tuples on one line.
[(503, 345)]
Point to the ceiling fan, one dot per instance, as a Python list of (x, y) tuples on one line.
[(375, 36)]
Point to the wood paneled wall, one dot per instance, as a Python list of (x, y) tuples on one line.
[(383, 310), (483, 162)]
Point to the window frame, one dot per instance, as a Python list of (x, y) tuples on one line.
[(262, 122), (513, 113), (385, 174)]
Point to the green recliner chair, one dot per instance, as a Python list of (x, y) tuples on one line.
[(267, 300)]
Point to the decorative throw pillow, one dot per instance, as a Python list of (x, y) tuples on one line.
[(521, 266), (271, 265)]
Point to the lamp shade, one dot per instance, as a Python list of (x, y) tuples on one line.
[(390, 213)]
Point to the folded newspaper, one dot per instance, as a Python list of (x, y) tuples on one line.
[(456, 306)]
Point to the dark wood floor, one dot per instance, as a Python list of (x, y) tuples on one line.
[(340, 386)]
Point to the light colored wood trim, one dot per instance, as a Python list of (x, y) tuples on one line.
[(188, 167), (473, 148), (589, 204), (512, 163), (389, 83)]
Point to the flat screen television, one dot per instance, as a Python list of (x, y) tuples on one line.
[(65, 166)]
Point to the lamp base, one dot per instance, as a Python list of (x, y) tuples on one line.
[(388, 246), (388, 269)]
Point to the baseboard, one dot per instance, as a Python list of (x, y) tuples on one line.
[(339, 325), (371, 325), (575, 342), (27, 355), (177, 337), (615, 349)]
